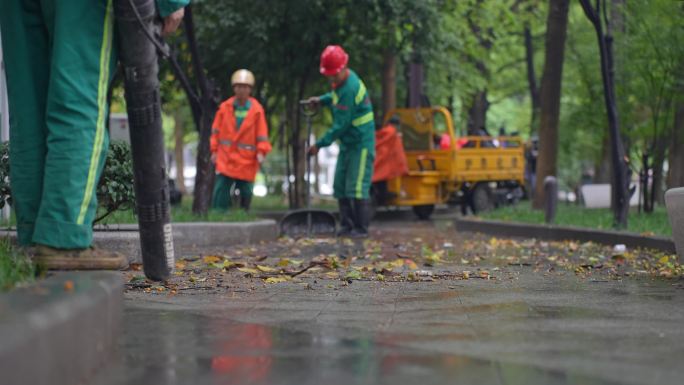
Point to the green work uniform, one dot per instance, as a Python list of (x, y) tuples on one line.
[(223, 184), (354, 126), (60, 57), (240, 112)]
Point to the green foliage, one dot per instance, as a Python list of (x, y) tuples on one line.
[(116, 190), (479, 46), (5, 192), (15, 268)]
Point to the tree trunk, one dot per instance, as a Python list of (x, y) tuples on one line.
[(556, 30), (178, 133), (204, 179), (676, 162), (415, 94), (477, 113), (532, 81), (297, 143), (389, 83), (658, 162), (603, 169), (618, 158), (294, 153)]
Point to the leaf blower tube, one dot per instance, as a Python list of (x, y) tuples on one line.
[(137, 54)]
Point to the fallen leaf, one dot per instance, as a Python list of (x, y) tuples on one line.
[(283, 262), (332, 275), (433, 259), (211, 259), (278, 279), (353, 274), (397, 263), (466, 275), (227, 265), (69, 285), (410, 264), (266, 269)]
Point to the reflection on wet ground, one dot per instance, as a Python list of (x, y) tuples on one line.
[(183, 347)]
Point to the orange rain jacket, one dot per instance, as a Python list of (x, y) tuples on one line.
[(237, 149), (390, 158)]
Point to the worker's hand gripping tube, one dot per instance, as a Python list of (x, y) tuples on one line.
[(138, 57)]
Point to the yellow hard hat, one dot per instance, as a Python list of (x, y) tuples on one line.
[(242, 77)]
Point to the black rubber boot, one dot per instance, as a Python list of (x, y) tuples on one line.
[(245, 202), (362, 214), (346, 217)]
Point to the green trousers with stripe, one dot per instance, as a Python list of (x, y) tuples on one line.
[(221, 199), (353, 172), (59, 61)]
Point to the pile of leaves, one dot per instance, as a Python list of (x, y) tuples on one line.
[(584, 259), (430, 257)]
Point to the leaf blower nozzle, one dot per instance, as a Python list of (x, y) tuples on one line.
[(135, 21)]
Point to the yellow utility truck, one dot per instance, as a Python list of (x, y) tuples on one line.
[(445, 167)]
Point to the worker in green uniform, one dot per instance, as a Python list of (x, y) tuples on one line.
[(354, 127), (60, 57)]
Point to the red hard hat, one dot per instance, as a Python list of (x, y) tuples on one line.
[(333, 59)]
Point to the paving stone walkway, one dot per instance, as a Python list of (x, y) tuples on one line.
[(459, 308)]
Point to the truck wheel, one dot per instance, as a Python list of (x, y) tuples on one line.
[(423, 212), (482, 198)]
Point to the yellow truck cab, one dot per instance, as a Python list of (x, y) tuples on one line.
[(454, 169)]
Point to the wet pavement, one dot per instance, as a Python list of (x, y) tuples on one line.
[(522, 323)]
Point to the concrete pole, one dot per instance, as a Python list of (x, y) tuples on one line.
[(551, 194), (674, 200)]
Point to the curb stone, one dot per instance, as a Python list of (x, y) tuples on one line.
[(54, 333), (188, 237), (562, 233), (192, 237)]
